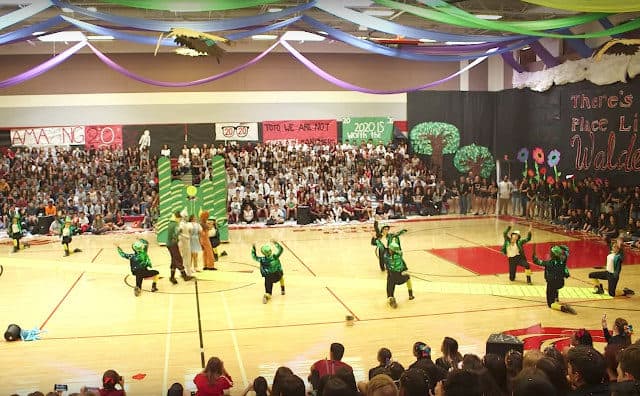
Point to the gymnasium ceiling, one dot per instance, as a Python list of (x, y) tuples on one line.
[(509, 10)]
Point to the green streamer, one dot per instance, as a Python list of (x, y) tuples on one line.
[(591, 5), (454, 16), (191, 5)]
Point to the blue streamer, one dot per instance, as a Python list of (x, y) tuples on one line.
[(578, 45), (26, 33), (20, 15), (406, 31), (209, 26), (135, 38), (264, 29), (401, 53)]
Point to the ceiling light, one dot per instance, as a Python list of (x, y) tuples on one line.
[(264, 37), (382, 13), (296, 35), (463, 42), (66, 9), (274, 9), (63, 37), (427, 41), (489, 17), (100, 38)]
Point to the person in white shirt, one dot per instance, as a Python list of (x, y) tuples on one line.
[(505, 187), (166, 151)]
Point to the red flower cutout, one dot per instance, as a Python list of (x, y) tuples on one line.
[(543, 171), (538, 155), (531, 173), (139, 376), (550, 180)]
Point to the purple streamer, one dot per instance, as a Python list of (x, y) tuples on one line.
[(546, 57), (511, 61), (43, 67), (345, 85), (113, 65)]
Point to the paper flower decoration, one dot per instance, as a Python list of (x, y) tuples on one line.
[(538, 155), (550, 180), (553, 158), (523, 154), (530, 173), (543, 171)]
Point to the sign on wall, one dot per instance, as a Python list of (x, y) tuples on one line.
[(363, 129), (100, 136), (50, 136), (300, 130), (241, 131)]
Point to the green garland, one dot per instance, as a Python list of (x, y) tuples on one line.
[(591, 5), (452, 15), (191, 5)]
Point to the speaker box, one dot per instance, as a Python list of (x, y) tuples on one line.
[(44, 222), (304, 215), (500, 344)]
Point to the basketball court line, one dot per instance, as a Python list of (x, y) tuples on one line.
[(167, 347), (343, 304), (62, 300), (298, 258), (234, 340), (97, 254)]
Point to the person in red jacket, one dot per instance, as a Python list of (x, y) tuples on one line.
[(328, 366), (213, 380)]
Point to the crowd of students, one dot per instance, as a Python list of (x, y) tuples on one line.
[(577, 370), (270, 182)]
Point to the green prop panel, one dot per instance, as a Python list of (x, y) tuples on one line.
[(175, 196), (452, 15), (191, 5), (362, 129), (590, 6), (220, 197), (477, 159)]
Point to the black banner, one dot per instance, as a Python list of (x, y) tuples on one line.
[(595, 128)]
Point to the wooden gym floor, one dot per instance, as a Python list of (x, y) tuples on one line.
[(91, 321)]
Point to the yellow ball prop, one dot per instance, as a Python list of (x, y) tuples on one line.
[(192, 191)]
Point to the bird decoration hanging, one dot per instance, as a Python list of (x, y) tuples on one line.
[(618, 47), (195, 43)]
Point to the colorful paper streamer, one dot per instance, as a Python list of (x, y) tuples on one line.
[(191, 5), (208, 26), (21, 14), (352, 87), (401, 52), (461, 20), (590, 5)]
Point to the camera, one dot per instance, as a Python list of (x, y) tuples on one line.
[(60, 388)]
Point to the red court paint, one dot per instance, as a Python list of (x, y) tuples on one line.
[(487, 260)]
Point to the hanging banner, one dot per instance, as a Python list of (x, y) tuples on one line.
[(364, 129), (300, 130), (242, 131), (103, 136), (50, 136)]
